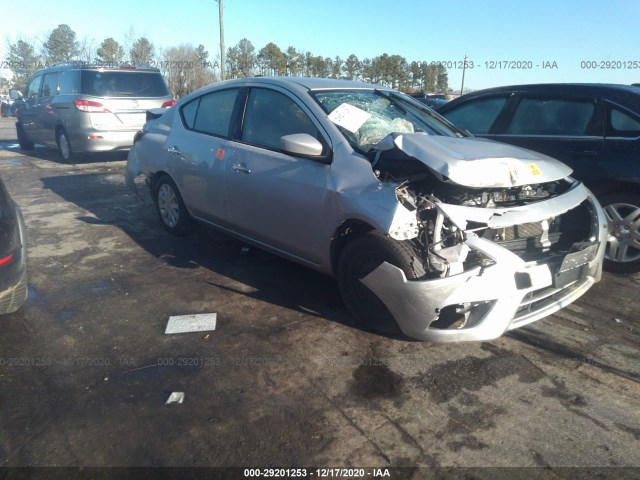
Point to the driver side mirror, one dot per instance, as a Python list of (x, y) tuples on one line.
[(304, 145)]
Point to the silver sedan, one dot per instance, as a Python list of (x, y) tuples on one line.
[(430, 232)]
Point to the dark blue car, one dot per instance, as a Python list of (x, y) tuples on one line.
[(593, 128)]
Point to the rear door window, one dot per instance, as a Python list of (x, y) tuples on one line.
[(553, 116), (214, 112), (477, 116), (188, 113), (211, 113)]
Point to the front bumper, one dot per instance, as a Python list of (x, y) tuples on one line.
[(506, 295)]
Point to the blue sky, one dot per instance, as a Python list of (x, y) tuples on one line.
[(490, 32)]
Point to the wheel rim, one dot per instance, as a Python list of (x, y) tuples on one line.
[(64, 147), (168, 205), (623, 244)]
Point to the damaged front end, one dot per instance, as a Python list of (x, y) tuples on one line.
[(507, 244)]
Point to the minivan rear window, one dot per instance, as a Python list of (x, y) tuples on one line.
[(123, 84)]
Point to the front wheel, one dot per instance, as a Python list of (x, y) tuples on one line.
[(359, 258), (25, 143), (171, 209), (623, 246)]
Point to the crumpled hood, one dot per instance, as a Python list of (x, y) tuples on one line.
[(479, 163)]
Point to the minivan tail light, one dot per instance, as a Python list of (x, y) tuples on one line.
[(5, 260), (90, 107), (169, 103)]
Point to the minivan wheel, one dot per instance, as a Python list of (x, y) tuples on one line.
[(623, 246), (359, 258), (64, 147), (24, 142), (171, 209)]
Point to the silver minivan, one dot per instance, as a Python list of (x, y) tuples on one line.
[(78, 107)]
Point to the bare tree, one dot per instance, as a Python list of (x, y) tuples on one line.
[(184, 71), (87, 49)]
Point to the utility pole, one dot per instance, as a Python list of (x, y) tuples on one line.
[(464, 67), (221, 16)]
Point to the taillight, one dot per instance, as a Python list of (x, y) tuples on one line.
[(6, 260), (90, 107), (169, 103)]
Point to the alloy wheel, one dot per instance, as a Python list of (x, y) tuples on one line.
[(624, 232), (168, 205)]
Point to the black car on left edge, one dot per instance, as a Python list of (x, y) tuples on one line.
[(13, 254), (593, 128)]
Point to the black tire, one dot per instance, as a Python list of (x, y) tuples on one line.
[(64, 146), (25, 143), (360, 257), (171, 210), (623, 249)]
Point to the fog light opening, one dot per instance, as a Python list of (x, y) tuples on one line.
[(459, 316), (450, 317)]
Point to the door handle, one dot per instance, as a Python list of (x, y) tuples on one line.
[(241, 168), (174, 151), (582, 153)]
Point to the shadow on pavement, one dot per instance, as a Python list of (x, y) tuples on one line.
[(273, 279)]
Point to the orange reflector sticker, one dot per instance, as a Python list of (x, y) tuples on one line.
[(533, 168)]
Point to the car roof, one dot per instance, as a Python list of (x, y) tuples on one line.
[(308, 83), (625, 94), (565, 87), (78, 65), (299, 85)]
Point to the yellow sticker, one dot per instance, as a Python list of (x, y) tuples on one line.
[(533, 168)]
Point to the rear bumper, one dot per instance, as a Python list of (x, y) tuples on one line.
[(506, 295), (103, 141)]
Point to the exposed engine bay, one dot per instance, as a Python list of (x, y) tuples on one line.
[(440, 240)]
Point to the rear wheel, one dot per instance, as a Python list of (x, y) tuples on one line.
[(64, 146), (358, 259), (171, 209), (25, 143), (623, 246)]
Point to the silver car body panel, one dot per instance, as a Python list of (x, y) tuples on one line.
[(294, 206), (480, 163)]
